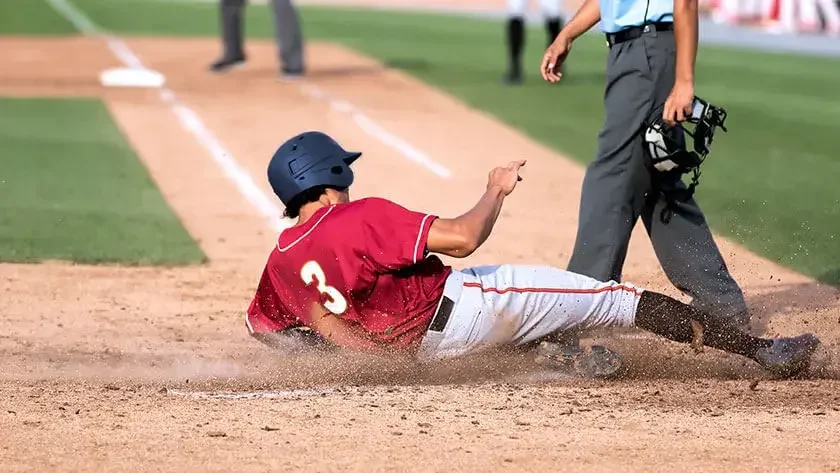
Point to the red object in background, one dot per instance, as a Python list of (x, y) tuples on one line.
[(775, 10)]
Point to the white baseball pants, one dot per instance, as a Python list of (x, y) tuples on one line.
[(549, 8), (795, 15), (515, 305)]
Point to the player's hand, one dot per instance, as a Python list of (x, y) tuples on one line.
[(554, 57), (505, 177), (679, 103)]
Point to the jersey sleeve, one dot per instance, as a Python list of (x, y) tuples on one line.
[(266, 313), (394, 236)]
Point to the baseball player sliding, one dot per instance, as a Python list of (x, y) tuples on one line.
[(360, 274)]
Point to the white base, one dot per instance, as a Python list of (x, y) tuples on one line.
[(131, 77)]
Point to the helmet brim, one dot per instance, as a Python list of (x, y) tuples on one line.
[(352, 156)]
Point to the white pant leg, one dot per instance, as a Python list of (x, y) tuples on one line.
[(831, 11), (550, 8), (808, 17), (516, 8), (787, 15), (515, 305), (729, 11)]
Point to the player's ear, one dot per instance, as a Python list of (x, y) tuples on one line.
[(338, 196)]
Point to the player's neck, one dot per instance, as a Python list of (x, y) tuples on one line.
[(308, 210)]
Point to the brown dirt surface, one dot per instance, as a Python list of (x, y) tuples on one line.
[(110, 368)]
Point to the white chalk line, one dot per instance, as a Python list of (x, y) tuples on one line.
[(188, 119), (281, 394), (228, 163), (231, 168), (377, 131)]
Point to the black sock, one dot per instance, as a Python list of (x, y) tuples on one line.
[(670, 318), (516, 41), (552, 28)]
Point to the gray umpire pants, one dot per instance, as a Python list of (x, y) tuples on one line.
[(618, 188), (286, 32)]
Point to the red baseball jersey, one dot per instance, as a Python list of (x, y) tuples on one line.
[(365, 261)]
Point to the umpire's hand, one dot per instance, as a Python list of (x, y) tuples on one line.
[(554, 58), (679, 103)]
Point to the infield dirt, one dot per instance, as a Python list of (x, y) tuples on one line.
[(99, 362)]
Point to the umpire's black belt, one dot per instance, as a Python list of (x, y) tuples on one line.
[(634, 32)]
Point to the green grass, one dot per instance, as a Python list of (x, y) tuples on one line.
[(31, 17), (769, 182), (71, 188)]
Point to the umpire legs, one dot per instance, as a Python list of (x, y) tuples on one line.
[(230, 23), (288, 36), (616, 188)]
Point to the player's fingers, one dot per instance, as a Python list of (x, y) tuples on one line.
[(515, 165), (546, 66)]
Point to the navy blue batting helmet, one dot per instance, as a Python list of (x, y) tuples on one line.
[(309, 160)]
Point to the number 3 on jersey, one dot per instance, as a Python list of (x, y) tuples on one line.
[(311, 272)]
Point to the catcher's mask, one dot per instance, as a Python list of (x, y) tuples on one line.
[(682, 148)]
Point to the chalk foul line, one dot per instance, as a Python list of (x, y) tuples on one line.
[(377, 131), (192, 123), (187, 117), (280, 394)]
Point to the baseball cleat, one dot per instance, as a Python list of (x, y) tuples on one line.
[(227, 64), (290, 74), (512, 78), (594, 362), (789, 356)]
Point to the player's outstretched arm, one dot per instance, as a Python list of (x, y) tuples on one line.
[(340, 332), (459, 237)]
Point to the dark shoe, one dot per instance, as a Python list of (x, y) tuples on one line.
[(227, 64), (787, 357), (291, 74), (591, 362), (512, 78)]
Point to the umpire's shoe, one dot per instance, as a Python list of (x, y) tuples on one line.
[(788, 357), (226, 64), (594, 362)]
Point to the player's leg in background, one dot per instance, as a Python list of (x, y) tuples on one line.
[(728, 12), (787, 16), (289, 38), (230, 22), (809, 20), (515, 40), (553, 17), (831, 13)]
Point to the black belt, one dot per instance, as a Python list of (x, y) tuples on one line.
[(635, 31), (441, 317)]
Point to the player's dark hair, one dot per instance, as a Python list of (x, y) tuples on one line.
[(309, 195)]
